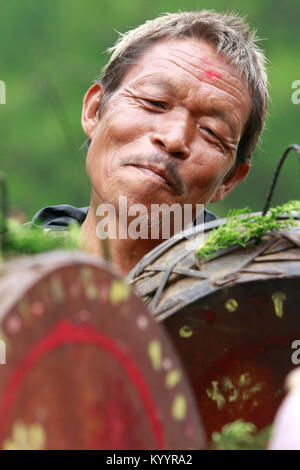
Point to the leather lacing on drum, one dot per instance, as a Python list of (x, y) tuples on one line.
[(266, 248)]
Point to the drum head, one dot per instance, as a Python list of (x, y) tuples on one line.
[(84, 366), (237, 346)]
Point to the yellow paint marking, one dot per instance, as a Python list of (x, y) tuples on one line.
[(234, 395), (119, 292), (230, 391), (24, 308), (245, 379), (179, 407), (216, 395), (185, 331), (227, 384), (86, 275), (231, 305), (25, 437), (91, 291), (256, 388), (57, 289), (278, 299), (155, 354), (172, 378), (234, 391)]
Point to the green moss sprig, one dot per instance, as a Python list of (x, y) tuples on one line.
[(22, 240), (241, 435), (242, 226)]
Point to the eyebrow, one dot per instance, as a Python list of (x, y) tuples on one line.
[(174, 89), (162, 82)]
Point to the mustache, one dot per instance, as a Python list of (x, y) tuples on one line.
[(160, 162)]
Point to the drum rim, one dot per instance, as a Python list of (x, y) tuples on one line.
[(156, 252)]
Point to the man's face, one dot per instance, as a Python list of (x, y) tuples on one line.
[(170, 132)]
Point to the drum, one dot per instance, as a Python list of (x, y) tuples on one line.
[(233, 319), (83, 365)]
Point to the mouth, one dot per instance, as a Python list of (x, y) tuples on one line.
[(158, 175)]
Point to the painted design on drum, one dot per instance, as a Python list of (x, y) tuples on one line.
[(278, 299), (31, 437), (56, 289), (91, 292), (155, 354), (37, 309), (179, 406), (231, 305), (226, 391), (90, 289), (172, 378), (24, 308), (142, 322), (216, 395), (86, 275), (278, 392), (119, 292), (84, 316), (66, 332), (245, 379), (13, 324), (185, 331)]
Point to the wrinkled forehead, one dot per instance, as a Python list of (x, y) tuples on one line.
[(184, 65), (195, 56)]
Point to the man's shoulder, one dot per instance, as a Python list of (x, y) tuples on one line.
[(208, 216), (59, 217), (62, 216)]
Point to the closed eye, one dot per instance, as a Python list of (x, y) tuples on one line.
[(157, 104), (210, 132), (216, 139)]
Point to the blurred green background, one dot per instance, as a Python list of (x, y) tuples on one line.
[(52, 50)]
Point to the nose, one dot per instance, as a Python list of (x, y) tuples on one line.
[(172, 136)]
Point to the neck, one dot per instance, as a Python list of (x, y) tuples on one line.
[(123, 254)]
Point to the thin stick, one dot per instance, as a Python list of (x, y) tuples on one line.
[(4, 212), (276, 174)]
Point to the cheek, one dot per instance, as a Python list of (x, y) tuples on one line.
[(111, 132), (208, 171), (122, 126), (205, 175)]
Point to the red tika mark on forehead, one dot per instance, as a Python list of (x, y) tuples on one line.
[(212, 75)]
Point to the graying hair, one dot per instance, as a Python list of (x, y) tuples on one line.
[(231, 37)]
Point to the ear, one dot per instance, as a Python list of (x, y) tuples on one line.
[(237, 175), (90, 106)]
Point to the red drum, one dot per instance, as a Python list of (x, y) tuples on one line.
[(233, 320), (83, 363)]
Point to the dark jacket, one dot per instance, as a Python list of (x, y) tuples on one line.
[(60, 217)]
